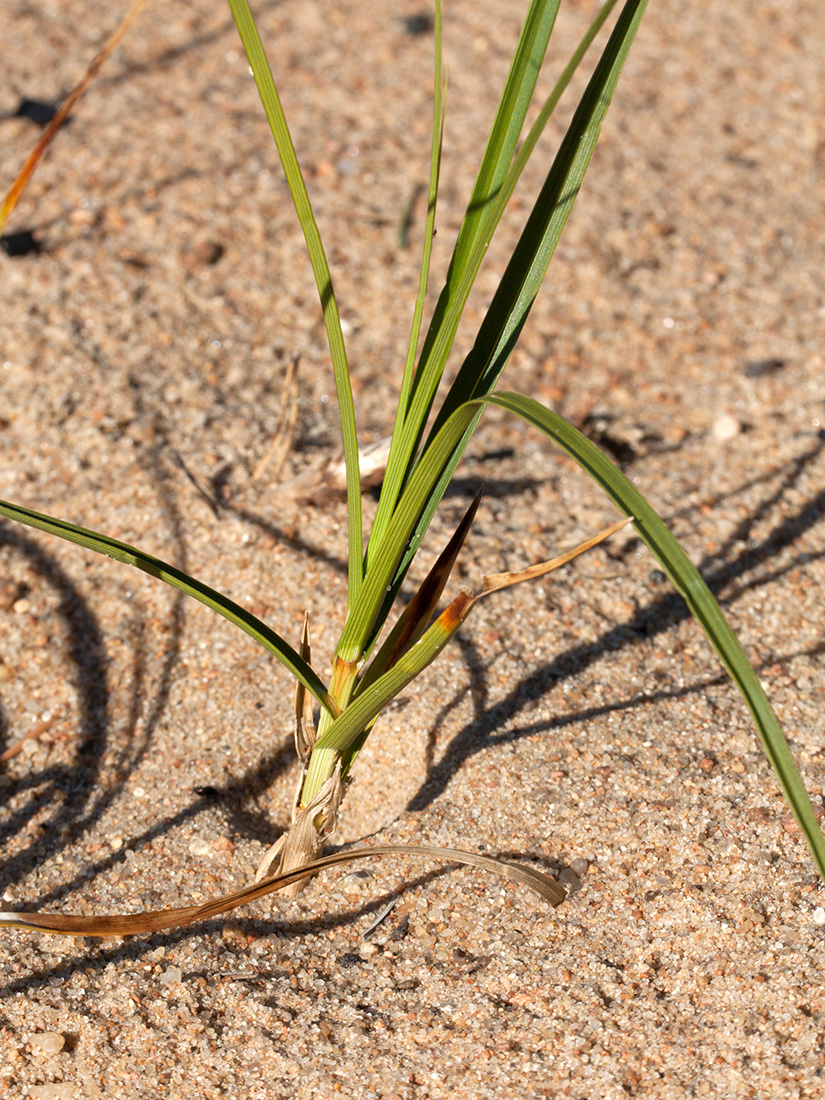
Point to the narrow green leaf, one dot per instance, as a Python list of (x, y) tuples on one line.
[(475, 227), (416, 615), (527, 267), (286, 150), (361, 623), (528, 145), (457, 288), (366, 707), (656, 536), (508, 124), (384, 511), (175, 577)]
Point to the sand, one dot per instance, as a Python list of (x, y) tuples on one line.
[(579, 721)]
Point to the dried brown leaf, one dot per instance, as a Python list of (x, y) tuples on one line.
[(34, 158), (162, 919), (416, 615), (305, 732), (493, 582), (278, 448)]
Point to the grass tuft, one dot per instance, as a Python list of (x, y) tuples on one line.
[(432, 428)]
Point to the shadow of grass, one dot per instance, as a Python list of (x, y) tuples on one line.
[(747, 567)]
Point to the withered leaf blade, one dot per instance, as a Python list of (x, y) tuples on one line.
[(494, 582), (34, 158), (304, 725), (413, 620), (278, 449), (163, 919), (311, 825)]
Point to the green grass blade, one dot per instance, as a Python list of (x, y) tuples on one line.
[(527, 267), (387, 501), (496, 162), (507, 127), (366, 707), (416, 615), (364, 622), (662, 544), (429, 227), (236, 614), (528, 145), (454, 296), (286, 150)]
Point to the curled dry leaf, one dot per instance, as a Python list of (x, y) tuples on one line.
[(311, 825), (162, 919)]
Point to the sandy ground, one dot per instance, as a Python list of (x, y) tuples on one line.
[(579, 719)]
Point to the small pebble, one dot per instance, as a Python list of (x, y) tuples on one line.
[(200, 847), (760, 367), (819, 915), (232, 932), (8, 594), (570, 879), (57, 1090), (208, 252), (579, 866), (407, 983), (49, 1042), (726, 427), (171, 976)]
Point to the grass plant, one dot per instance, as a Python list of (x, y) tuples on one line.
[(433, 425)]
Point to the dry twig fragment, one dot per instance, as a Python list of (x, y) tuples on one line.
[(34, 158)]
